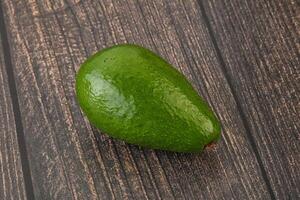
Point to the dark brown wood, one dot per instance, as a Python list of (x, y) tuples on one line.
[(69, 159), (11, 175), (50, 41), (258, 42)]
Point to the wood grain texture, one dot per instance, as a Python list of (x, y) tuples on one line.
[(259, 44), (69, 159), (11, 175)]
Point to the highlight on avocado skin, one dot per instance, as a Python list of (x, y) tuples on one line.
[(134, 95)]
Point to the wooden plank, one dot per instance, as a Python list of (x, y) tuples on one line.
[(11, 175), (259, 44), (71, 160)]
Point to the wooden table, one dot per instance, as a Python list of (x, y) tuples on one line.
[(242, 57)]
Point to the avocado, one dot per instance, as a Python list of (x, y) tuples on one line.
[(134, 95)]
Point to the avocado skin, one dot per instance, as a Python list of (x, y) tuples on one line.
[(134, 95)]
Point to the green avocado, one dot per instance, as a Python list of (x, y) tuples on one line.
[(134, 95)]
